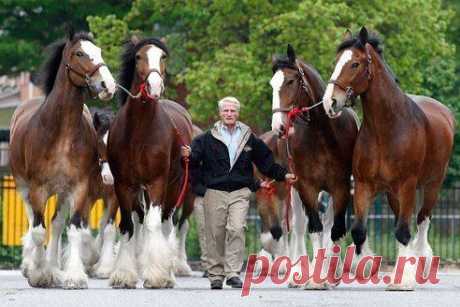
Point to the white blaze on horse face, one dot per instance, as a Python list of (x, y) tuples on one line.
[(329, 93), (155, 81), (106, 173), (104, 79), (105, 138), (278, 117)]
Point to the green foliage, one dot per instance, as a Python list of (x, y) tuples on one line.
[(26, 27)]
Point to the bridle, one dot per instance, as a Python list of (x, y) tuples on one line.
[(85, 76), (350, 93), (294, 111), (143, 93)]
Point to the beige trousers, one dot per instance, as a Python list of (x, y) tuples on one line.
[(225, 220), (198, 211)]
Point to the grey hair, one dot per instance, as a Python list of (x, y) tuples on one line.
[(229, 99)]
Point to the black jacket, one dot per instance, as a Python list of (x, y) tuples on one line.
[(210, 163)]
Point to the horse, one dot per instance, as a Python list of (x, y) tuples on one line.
[(405, 143), (144, 153), (320, 149), (104, 189), (53, 151), (272, 208)]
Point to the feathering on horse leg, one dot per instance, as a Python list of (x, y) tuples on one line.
[(297, 246), (53, 251), (125, 273), (181, 267)]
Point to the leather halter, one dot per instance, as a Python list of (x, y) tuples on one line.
[(85, 76), (349, 91)]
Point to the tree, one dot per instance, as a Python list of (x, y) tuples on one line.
[(26, 27)]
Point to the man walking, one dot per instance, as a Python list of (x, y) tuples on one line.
[(224, 156)]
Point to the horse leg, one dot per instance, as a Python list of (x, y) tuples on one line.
[(108, 232), (394, 205), (406, 197), (138, 215), (125, 274), (341, 198), (53, 251), (297, 247), (38, 271), (181, 266), (160, 248), (74, 270)]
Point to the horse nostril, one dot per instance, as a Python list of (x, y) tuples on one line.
[(104, 86), (334, 103)]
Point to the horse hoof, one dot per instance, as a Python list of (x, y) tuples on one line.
[(315, 286), (183, 269), (395, 287), (123, 280), (43, 279), (158, 284), (75, 283)]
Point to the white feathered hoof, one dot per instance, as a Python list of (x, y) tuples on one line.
[(76, 282), (159, 283), (25, 268), (101, 272), (311, 285), (123, 279), (182, 268), (43, 278), (292, 284)]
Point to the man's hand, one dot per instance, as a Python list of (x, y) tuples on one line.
[(290, 178), (186, 151), (265, 184)]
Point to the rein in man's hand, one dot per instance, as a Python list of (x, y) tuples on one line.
[(186, 150)]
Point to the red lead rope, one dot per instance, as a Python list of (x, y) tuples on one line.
[(184, 188)]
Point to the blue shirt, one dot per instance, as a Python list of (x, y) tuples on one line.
[(232, 139)]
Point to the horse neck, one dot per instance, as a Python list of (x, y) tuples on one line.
[(139, 112), (63, 107), (384, 103)]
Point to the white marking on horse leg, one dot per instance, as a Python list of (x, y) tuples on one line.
[(266, 239), (159, 251), (297, 247), (27, 243), (408, 276), (182, 267), (327, 98), (89, 254), (105, 265), (74, 272), (421, 245), (276, 82), (125, 273), (53, 251)]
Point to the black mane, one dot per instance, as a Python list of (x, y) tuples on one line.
[(355, 42), (128, 63), (282, 62), (49, 68)]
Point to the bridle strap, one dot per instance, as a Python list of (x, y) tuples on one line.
[(85, 76)]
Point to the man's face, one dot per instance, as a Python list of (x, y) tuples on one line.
[(229, 114)]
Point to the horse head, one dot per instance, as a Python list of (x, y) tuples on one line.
[(353, 72), (144, 67), (292, 88), (85, 66)]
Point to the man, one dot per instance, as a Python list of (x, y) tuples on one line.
[(224, 156)]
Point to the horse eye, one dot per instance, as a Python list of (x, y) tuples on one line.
[(354, 65), (138, 57), (290, 82), (79, 54)]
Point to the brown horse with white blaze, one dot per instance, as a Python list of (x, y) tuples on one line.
[(321, 149), (53, 151), (144, 154), (405, 142)]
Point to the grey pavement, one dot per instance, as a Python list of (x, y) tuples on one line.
[(194, 291)]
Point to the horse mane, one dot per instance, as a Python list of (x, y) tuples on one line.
[(315, 80), (49, 69), (355, 42), (375, 41), (128, 62)]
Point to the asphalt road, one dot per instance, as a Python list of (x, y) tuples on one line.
[(194, 291)]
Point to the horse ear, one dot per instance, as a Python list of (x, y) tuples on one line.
[(135, 39), (363, 35), (274, 59), (347, 35), (91, 35), (290, 53), (164, 40), (70, 32), (96, 121)]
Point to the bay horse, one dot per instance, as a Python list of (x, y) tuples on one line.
[(404, 143), (144, 153), (53, 151), (320, 148), (104, 189)]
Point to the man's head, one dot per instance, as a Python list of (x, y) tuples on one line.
[(229, 110)]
